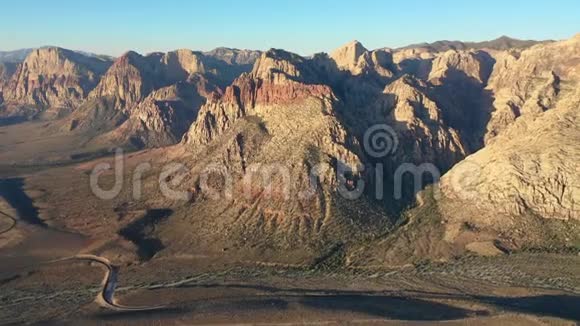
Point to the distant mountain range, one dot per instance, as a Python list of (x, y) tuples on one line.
[(17, 56), (501, 43)]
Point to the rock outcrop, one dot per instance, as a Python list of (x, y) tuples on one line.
[(527, 82), (347, 57), (163, 117), (235, 56), (277, 78), (269, 130), (53, 78), (424, 135), (354, 58), (525, 179), (151, 101)]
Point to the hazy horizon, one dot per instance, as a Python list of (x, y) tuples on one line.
[(301, 27)]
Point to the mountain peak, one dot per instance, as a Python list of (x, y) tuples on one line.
[(347, 56), (355, 43), (505, 38), (353, 46), (53, 77)]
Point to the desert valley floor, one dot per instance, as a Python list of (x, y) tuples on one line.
[(48, 274)]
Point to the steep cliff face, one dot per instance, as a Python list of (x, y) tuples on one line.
[(453, 65), (54, 78), (525, 179), (163, 117), (150, 101), (276, 123), (459, 79), (425, 136), (528, 82), (130, 79), (133, 76), (354, 58), (387, 91), (278, 78), (347, 57)]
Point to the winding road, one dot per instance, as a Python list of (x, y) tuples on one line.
[(106, 297)]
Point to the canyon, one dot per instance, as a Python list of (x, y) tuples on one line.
[(276, 164)]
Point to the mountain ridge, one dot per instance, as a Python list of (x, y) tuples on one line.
[(444, 110)]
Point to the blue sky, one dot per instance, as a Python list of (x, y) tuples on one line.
[(305, 27)]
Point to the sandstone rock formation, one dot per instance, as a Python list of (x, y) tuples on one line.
[(528, 171), (163, 117), (149, 101), (356, 59), (347, 57), (235, 56), (53, 78), (266, 121), (276, 122), (527, 82), (423, 132)]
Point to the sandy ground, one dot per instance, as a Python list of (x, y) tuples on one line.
[(64, 293)]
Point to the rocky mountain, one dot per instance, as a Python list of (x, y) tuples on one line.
[(519, 191), (151, 100), (283, 141), (527, 174), (18, 56), (163, 117), (356, 59), (528, 82), (277, 121), (234, 56), (501, 43), (15, 56), (292, 113), (52, 79), (516, 191)]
